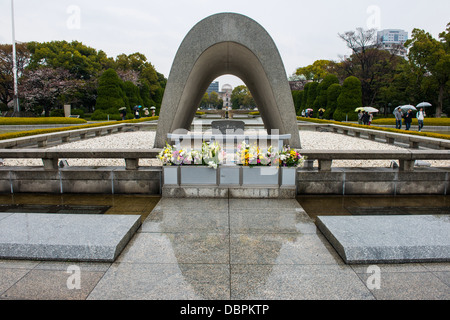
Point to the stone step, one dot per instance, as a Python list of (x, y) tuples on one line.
[(65, 237), (388, 239)]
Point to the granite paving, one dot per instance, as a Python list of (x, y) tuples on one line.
[(223, 249)]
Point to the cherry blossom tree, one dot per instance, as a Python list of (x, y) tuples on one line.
[(47, 87)]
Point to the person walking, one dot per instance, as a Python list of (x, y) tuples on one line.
[(398, 119), (366, 118), (408, 119), (360, 116), (420, 118), (123, 114), (321, 114)]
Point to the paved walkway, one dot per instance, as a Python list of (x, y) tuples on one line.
[(219, 249)]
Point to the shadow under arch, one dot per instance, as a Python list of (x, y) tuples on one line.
[(227, 43)]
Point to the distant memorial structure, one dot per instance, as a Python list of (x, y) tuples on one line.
[(228, 43)]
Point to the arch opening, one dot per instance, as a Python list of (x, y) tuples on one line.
[(228, 44), (227, 58)]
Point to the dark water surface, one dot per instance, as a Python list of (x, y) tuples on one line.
[(374, 205)]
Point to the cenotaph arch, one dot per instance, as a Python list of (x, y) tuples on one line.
[(228, 43)]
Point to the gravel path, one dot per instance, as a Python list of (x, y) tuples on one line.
[(145, 139)]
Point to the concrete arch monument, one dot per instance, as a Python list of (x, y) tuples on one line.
[(228, 43)]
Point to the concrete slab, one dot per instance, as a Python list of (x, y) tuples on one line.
[(68, 237), (388, 239)]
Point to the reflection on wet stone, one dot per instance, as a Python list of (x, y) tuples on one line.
[(219, 249)]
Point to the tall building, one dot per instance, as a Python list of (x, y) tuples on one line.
[(393, 40), (213, 87)]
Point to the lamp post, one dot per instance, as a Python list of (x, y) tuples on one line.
[(16, 91)]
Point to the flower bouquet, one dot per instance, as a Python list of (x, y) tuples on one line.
[(290, 158), (252, 155), (210, 155)]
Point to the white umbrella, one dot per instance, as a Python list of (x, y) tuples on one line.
[(371, 110), (423, 105), (408, 107)]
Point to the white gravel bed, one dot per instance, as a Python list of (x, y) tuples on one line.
[(145, 139)]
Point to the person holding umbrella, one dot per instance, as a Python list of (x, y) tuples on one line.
[(123, 112), (420, 118), (136, 112), (360, 117), (321, 112), (408, 119), (366, 118)]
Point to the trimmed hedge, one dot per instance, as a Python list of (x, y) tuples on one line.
[(425, 134), (428, 121), (32, 121), (13, 135)]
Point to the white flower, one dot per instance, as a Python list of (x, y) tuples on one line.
[(212, 164)]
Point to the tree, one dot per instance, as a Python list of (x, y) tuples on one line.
[(322, 89), (401, 89), (430, 59), (333, 93), (136, 61), (132, 93), (359, 42), (375, 68), (311, 95), (147, 76), (297, 96), (214, 100), (81, 61), (241, 96), (110, 94), (6, 69), (317, 71), (85, 96), (349, 99), (47, 87)]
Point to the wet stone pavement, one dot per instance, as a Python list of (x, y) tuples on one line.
[(217, 249)]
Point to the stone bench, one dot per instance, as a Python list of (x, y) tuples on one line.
[(406, 158), (50, 158)]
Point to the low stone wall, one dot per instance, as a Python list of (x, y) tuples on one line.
[(374, 181), (84, 180), (148, 180)]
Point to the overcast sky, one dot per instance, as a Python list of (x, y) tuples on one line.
[(304, 31)]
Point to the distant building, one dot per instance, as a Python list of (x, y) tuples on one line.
[(393, 40), (225, 95), (213, 87)]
